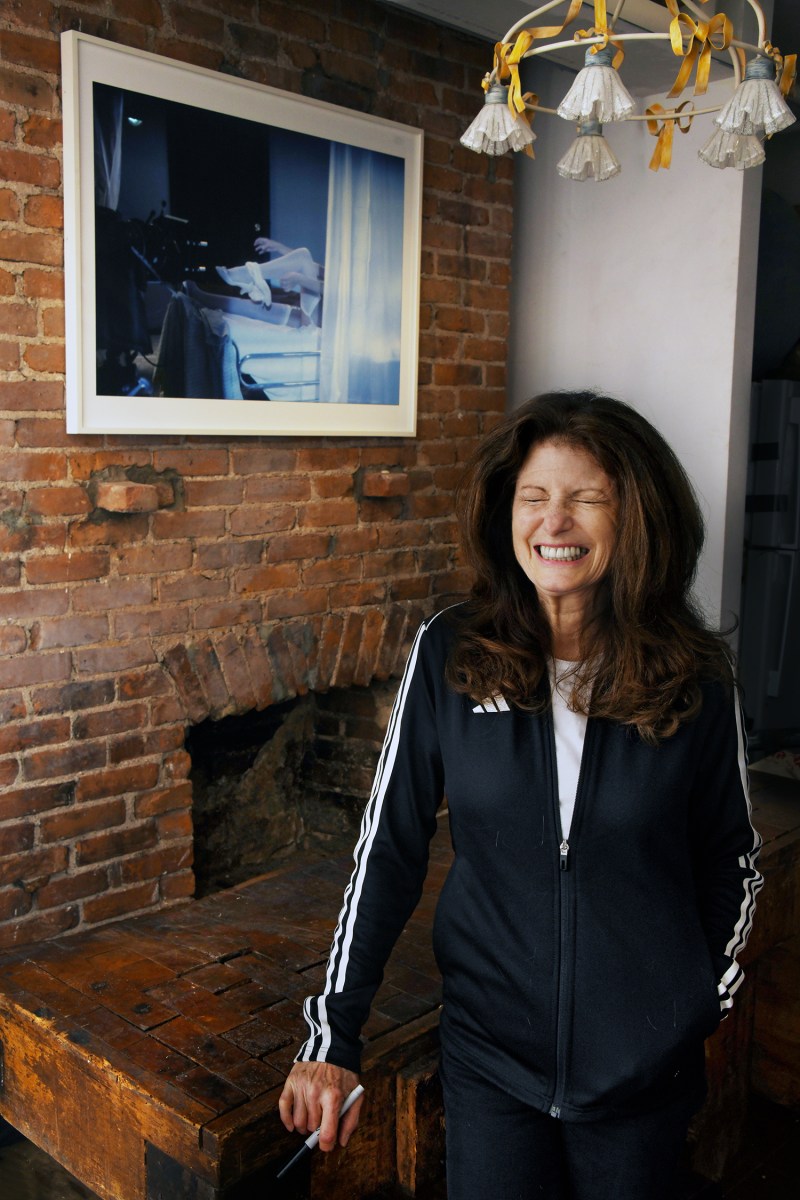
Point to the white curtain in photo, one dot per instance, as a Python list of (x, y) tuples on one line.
[(362, 304), (107, 149)]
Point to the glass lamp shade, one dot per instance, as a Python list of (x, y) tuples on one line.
[(739, 150), (757, 106), (589, 156), (597, 91), (496, 130)]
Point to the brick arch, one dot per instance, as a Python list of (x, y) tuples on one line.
[(226, 672)]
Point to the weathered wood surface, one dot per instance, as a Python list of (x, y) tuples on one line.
[(743, 1052), (172, 1033), (148, 1056)]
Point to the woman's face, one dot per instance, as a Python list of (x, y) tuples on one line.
[(564, 522)]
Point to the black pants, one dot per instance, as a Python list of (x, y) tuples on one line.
[(501, 1149)]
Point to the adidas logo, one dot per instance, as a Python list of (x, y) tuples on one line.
[(494, 704)]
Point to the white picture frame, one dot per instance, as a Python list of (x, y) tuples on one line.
[(319, 350)]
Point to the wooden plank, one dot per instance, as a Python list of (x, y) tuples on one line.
[(775, 1067), (420, 1126)]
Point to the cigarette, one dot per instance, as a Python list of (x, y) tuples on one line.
[(312, 1141)]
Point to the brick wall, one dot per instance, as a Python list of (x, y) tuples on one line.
[(274, 566)]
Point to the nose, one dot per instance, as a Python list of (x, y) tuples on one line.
[(556, 519)]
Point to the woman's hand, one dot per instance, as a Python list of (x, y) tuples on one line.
[(312, 1097)]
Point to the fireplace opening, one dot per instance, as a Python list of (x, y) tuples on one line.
[(292, 778)]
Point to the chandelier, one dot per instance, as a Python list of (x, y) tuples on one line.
[(762, 79)]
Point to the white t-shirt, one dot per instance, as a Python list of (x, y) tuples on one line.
[(570, 731)]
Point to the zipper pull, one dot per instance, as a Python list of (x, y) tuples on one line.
[(563, 855)]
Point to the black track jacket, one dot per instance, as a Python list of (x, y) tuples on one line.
[(582, 978)]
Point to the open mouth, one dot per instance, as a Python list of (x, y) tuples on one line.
[(562, 553)]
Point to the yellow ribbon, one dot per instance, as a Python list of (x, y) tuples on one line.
[(702, 37), (662, 125), (786, 65), (507, 56), (600, 29)]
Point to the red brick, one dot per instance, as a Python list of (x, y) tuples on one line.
[(174, 825), (47, 358), (45, 211), (169, 799), (100, 597), (267, 579), (261, 489), (85, 465), (24, 867), (22, 166), (192, 586), (111, 531), (210, 493), (36, 668), (200, 26), (154, 560), (136, 685), (74, 697), (385, 483), (254, 461), (72, 887), (87, 818), (10, 573), (220, 555), (25, 802), (119, 719), (109, 659), (155, 864), (28, 90), (32, 395), (117, 781), (177, 887), (19, 320), (262, 519), (7, 125), (198, 460), (45, 133), (13, 640), (298, 545), (39, 52), (214, 616), (120, 903), (43, 285), (69, 631), (321, 514), (332, 570), (9, 211), (69, 760), (39, 928), (25, 465), (13, 903), (151, 622), (15, 838), (295, 604), (67, 568), (114, 844), (356, 595), (57, 501), (355, 541), (126, 497), (22, 736), (170, 526), (9, 770)]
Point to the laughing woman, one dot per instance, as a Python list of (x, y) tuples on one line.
[(583, 723)]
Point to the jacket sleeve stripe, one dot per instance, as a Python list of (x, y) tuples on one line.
[(319, 1040), (753, 881)]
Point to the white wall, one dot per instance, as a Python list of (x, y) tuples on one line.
[(643, 286)]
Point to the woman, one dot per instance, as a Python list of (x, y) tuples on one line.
[(583, 723)]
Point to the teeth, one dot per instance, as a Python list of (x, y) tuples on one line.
[(562, 553)]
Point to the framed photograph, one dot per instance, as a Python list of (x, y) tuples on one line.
[(239, 260)]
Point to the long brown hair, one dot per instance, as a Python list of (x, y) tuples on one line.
[(648, 647)]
